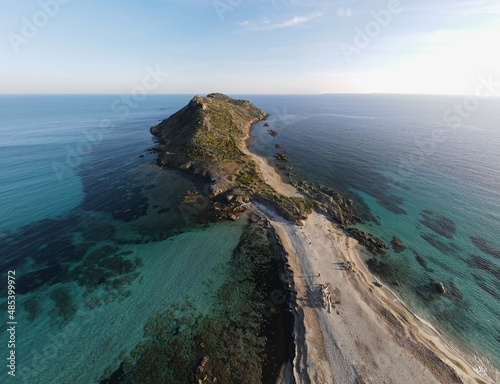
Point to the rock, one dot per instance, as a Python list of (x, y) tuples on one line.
[(281, 157), (272, 132), (278, 146), (440, 288), (266, 125), (233, 217), (373, 244), (397, 245)]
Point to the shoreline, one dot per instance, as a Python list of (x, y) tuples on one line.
[(326, 349)]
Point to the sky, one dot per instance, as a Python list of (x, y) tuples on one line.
[(249, 46)]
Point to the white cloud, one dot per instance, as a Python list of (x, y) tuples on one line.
[(266, 24), (344, 12)]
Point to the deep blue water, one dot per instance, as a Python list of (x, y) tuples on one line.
[(71, 179), (434, 186)]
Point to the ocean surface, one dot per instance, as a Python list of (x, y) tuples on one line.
[(115, 277)]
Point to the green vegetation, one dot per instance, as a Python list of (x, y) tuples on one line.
[(244, 179), (309, 205), (207, 138)]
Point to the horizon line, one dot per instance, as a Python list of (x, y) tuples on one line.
[(253, 94)]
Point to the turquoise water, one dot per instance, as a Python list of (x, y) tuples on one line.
[(434, 195), (104, 249), (111, 265)]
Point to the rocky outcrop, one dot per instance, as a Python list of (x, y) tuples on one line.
[(332, 203), (282, 157), (397, 245), (440, 287), (373, 244)]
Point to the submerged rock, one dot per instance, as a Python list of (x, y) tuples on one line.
[(397, 245), (455, 291), (423, 263), (281, 157), (373, 244)]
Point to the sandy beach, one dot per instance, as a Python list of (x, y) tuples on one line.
[(272, 177), (367, 335)]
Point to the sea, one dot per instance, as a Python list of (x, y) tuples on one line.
[(108, 277)]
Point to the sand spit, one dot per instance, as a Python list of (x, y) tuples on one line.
[(367, 335)]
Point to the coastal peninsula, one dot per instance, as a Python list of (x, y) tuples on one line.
[(361, 333)]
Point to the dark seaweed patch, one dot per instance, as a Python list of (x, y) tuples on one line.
[(486, 246), (423, 263), (442, 247), (42, 241), (431, 291), (455, 291), (486, 265), (485, 287), (65, 309), (100, 232), (101, 253), (31, 281), (112, 189), (439, 224), (384, 270), (392, 203), (34, 309), (124, 203)]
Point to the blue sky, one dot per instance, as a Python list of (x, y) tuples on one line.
[(249, 46)]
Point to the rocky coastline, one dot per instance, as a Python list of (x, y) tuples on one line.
[(207, 138)]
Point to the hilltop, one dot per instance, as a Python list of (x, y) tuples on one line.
[(207, 138)]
